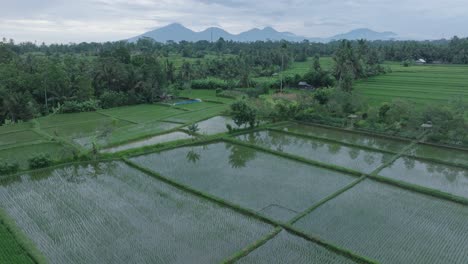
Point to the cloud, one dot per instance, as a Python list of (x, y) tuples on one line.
[(102, 20)]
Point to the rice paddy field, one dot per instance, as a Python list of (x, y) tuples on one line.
[(215, 125), (110, 213), (354, 158), (247, 177), (286, 193), (421, 84), (60, 135), (392, 225)]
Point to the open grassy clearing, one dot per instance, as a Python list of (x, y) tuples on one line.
[(347, 137), (276, 187), (446, 178), (110, 213), (288, 248), (332, 153), (392, 225), (21, 154), (421, 84)]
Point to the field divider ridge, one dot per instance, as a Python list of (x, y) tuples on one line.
[(207, 196), (415, 187), (60, 140), (25, 144), (420, 189), (433, 160), (355, 131), (252, 247), (334, 248), (29, 247), (55, 166), (294, 157), (140, 138), (326, 199), (115, 117), (399, 154), (251, 213), (331, 141)]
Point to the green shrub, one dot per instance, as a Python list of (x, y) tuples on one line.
[(76, 107), (243, 114), (8, 167), (256, 92), (210, 84), (111, 99), (229, 128), (193, 128), (40, 161)]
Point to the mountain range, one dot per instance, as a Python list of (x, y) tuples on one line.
[(177, 32)]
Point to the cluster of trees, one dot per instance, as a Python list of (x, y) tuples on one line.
[(454, 50), (333, 106), (38, 79), (355, 62)]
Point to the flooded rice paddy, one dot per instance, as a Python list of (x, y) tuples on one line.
[(274, 186), (326, 152), (392, 225), (110, 213), (348, 137)]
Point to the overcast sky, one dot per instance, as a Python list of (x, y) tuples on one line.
[(102, 20)]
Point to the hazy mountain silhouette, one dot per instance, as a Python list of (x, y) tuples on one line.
[(177, 32)]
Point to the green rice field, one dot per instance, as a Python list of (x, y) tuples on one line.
[(10, 249), (286, 193), (392, 225), (422, 84), (105, 128), (23, 153), (21, 137), (142, 113), (190, 117)]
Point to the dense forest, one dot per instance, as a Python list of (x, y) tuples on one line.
[(39, 79)]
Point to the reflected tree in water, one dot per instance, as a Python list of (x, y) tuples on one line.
[(240, 155), (369, 158), (334, 148), (410, 163), (354, 153), (192, 156)]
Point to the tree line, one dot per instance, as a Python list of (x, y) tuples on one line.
[(40, 79)]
